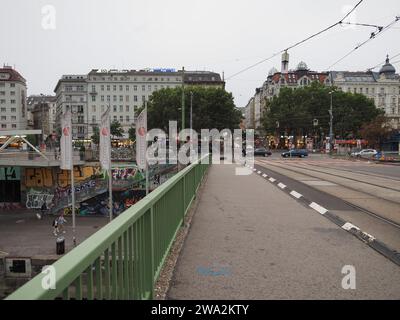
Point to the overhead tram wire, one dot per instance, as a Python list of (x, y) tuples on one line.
[(379, 64), (298, 43), (373, 36)]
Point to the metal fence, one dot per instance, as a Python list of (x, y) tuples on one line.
[(124, 258)]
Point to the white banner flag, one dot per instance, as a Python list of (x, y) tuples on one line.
[(66, 142), (141, 143), (105, 141)]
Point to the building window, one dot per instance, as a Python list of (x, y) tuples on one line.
[(102, 108), (121, 108), (12, 85), (127, 88), (127, 98), (134, 88), (3, 109), (149, 87), (2, 101), (127, 109), (14, 126), (3, 118), (361, 90), (3, 126), (135, 98), (143, 98), (115, 118), (93, 108), (13, 109), (102, 87), (102, 98), (93, 119), (367, 90), (93, 88), (12, 93), (127, 118), (13, 118), (121, 87), (114, 98), (121, 98), (114, 87), (121, 118), (2, 93), (143, 88), (108, 87), (94, 98), (115, 108)]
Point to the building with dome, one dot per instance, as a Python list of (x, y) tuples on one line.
[(383, 87)]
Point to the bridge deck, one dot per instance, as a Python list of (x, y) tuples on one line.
[(250, 240)]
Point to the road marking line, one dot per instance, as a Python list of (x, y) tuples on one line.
[(254, 169), (318, 208), (371, 238), (296, 194), (264, 175), (272, 179), (348, 226), (259, 172), (281, 185)]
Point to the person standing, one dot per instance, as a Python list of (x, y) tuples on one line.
[(61, 221)]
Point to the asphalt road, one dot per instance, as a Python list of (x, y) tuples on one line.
[(250, 240), (351, 201)]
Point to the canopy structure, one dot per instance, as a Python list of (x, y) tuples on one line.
[(14, 135)]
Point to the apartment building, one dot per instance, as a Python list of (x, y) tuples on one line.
[(13, 113)]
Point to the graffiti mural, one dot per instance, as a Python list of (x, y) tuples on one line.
[(10, 174), (36, 198), (38, 178)]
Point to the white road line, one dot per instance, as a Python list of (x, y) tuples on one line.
[(348, 226), (318, 208), (281, 185), (371, 238), (272, 179), (259, 172), (264, 175), (296, 194), (254, 169)]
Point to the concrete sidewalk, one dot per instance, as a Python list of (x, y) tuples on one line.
[(250, 240)]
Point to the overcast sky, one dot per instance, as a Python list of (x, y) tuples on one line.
[(216, 35)]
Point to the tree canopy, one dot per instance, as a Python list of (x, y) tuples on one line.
[(213, 108), (294, 111)]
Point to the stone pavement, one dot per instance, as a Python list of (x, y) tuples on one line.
[(23, 235), (250, 240)]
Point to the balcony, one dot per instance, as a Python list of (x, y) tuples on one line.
[(14, 157)]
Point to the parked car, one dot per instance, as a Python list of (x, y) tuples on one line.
[(262, 152), (301, 153), (364, 153)]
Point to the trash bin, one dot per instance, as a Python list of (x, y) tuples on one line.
[(60, 245)]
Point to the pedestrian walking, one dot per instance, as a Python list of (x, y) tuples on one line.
[(61, 221), (55, 227)]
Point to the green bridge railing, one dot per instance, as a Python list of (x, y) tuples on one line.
[(124, 258)]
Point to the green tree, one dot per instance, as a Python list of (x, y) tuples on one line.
[(295, 110), (213, 108), (96, 135), (376, 131), (116, 129), (132, 133)]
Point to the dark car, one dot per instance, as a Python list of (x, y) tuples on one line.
[(295, 153), (262, 152)]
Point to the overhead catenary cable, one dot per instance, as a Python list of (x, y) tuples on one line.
[(379, 64), (297, 43), (372, 36)]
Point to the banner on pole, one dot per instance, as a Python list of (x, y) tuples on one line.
[(66, 142), (105, 141), (141, 142)]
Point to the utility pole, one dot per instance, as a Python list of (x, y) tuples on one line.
[(183, 98), (331, 123), (191, 110)]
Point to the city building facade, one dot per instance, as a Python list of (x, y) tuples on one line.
[(13, 111), (72, 95), (43, 110), (382, 87)]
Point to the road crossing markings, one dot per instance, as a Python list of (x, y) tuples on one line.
[(259, 172), (272, 180), (296, 194), (281, 185), (348, 226), (264, 175), (318, 208)]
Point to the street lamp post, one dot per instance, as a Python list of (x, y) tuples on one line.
[(191, 110), (331, 122)]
